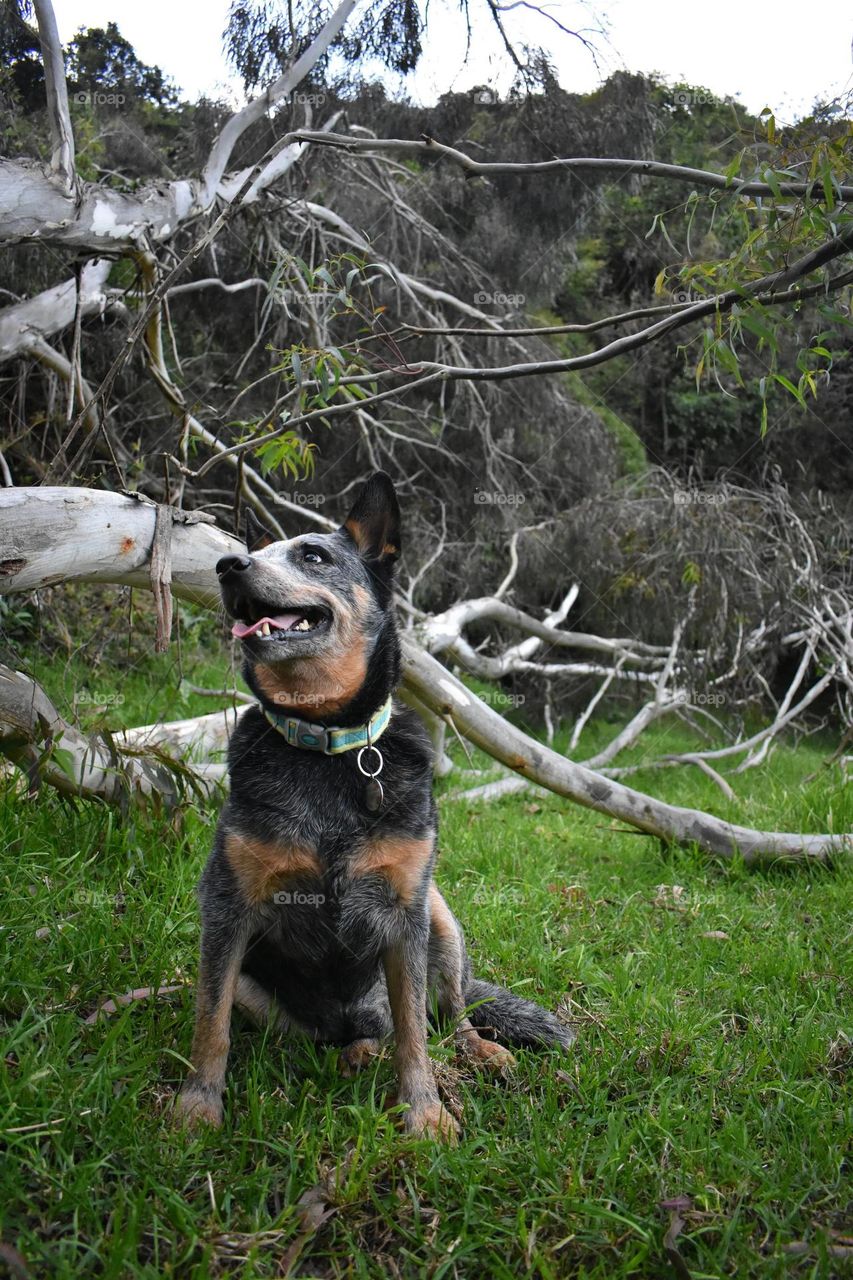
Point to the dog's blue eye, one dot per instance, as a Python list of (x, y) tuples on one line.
[(313, 557)]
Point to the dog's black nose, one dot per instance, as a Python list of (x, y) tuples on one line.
[(232, 564)]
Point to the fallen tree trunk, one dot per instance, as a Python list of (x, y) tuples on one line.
[(196, 738), (88, 528), (50, 534), (448, 697), (50, 206), (34, 736)]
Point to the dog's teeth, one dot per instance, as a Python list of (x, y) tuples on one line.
[(265, 629), (302, 625)]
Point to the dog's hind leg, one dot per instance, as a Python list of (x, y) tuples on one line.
[(357, 1055), (448, 977), (370, 1024), (258, 1005)]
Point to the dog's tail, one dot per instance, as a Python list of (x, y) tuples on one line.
[(513, 1019)]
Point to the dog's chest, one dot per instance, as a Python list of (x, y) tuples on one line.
[(340, 872)]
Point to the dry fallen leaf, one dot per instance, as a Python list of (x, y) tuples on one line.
[(671, 897), (717, 934), (676, 1207), (313, 1208)]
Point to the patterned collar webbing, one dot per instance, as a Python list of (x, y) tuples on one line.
[(328, 739)]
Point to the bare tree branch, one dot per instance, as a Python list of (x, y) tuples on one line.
[(52, 535), (62, 135), (234, 128), (53, 310), (482, 726), (213, 282), (427, 372), (643, 168)]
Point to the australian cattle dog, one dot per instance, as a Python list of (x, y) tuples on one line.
[(318, 905)]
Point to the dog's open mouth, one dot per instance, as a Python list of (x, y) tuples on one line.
[(262, 621)]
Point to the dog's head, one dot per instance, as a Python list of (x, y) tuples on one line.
[(309, 611)]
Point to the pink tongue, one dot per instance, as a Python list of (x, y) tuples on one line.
[(281, 622)]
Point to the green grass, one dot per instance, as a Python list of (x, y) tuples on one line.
[(709, 1067)]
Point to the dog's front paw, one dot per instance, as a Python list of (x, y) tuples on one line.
[(195, 1108), (431, 1120)]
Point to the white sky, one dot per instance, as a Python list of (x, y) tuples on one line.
[(779, 56)]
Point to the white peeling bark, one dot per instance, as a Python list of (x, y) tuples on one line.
[(477, 722), (39, 205), (50, 535), (62, 160), (197, 737), (33, 206), (280, 89), (49, 312)]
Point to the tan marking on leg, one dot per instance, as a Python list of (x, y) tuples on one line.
[(257, 1003), (483, 1053), (446, 959), (441, 920), (425, 1117), (201, 1096), (262, 868), (401, 860)]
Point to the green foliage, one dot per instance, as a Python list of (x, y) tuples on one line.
[(701, 416), (261, 35), (21, 70), (633, 460), (314, 378), (662, 242), (287, 453), (99, 61)]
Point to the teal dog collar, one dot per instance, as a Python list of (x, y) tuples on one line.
[(331, 741)]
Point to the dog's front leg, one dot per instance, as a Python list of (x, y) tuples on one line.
[(222, 950), (405, 963)]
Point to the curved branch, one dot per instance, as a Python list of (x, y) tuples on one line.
[(213, 282), (234, 128), (35, 737), (623, 317), (603, 164), (448, 697), (427, 372), (53, 310)]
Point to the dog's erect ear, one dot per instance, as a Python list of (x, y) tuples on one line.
[(257, 535), (374, 521)]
